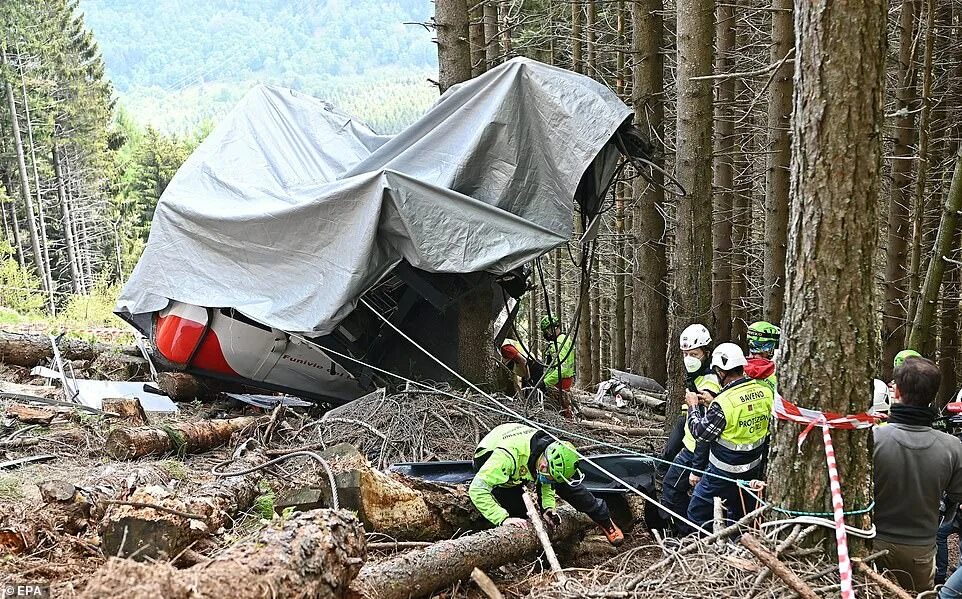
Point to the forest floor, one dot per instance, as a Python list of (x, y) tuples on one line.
[(51, 541)]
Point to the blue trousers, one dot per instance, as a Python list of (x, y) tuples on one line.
[(953, 586), (942, 548), (702, 506), (675, 489)]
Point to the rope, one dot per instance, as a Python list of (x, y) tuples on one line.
[(536, 425)]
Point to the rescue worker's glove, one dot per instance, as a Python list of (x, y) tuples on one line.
[(552, 518)]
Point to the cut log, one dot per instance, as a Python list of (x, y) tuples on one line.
[(421, 572), (163, 532), (186, 437), (181, 386), (127, 409), (311, 554), (403, 508), (57, 490), (778, 567), (29, 415), (32, 350)]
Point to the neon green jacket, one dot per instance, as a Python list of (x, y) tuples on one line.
[(563, 348), (508, 466)]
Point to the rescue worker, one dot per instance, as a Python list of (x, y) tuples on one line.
[(695, 345), (881, 400), (513, 454), (735, 426), (763, 338), (559, 363), (681, 449), (903, 355), (899, 360), (515, 361)]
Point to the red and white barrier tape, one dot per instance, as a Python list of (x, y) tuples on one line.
[(841, 538), (786, 410)]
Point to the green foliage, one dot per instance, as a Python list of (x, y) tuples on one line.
[(264, 504), (176, 63), (90, 310), (20, 289)]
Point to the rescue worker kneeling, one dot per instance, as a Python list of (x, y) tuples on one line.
[(513, 454), (736, 428)]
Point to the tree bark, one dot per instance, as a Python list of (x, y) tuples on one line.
[(921, 176), (650, 305), (476, 31), (32, 350), (313, 554), (44, 246), (896, 250), (24, 181), (69, 240), (691, 296), (724, 176), (454, 51), (928, 297), (831, 351), (421, 572), (949, 335), (577, 58), (777, 181), (492, 47), (183, 437), (148, 533)]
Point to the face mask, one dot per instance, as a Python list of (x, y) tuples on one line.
[(692, 364), (544, 480)]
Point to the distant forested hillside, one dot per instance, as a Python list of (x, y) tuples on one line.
[(175, 63)]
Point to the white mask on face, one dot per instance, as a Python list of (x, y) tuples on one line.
[(692, 364)]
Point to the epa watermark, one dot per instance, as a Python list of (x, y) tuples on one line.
[(25, 590)]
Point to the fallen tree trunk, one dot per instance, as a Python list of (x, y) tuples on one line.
[(139, 529), (621, 413), (32, 350), (421, 572), (621, 430), (127, 409), (312, 554), (186, 437)]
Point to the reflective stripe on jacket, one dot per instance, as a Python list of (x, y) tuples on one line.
[(747, 406)]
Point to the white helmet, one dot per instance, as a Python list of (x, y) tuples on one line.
[(694, 336), (728, 356), (880, 397)]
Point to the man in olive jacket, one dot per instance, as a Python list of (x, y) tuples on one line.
[(914, 465)]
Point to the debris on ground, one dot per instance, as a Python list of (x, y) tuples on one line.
[(232, 496)]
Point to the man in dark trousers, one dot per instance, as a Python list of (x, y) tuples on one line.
[(914, 466)]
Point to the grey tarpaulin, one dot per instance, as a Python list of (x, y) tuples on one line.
[(290, 210)]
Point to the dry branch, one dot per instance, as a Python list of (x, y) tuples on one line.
[(777, 567)]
